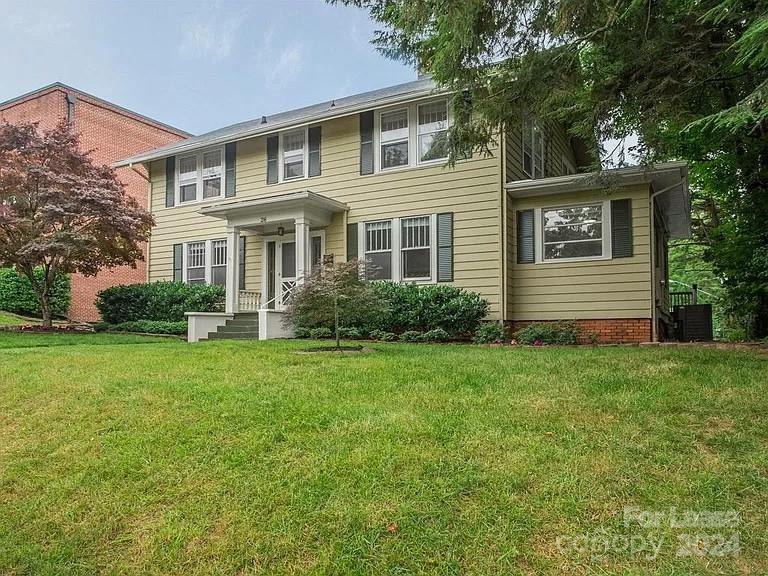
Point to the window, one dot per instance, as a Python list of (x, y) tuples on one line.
[(293, 154), (433, 131), (196, 263), (573, 232), (201, 172), (316, 251), (567, 168), (219, 262), (394, 139), (533, 147), (378, 250), (415, 247)]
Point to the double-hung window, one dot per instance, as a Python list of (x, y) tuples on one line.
[(378, 250), (196, 263), (219, 262), (394, 139), (573, 232), (433, 131), (201, 176), (293, 154), (415, 241), (533, 147)]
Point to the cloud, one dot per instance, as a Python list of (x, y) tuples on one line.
[(209, 34), (287, 65)]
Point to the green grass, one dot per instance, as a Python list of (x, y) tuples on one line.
[(247, 458), (8, 319)]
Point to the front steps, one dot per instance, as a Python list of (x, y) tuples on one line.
[(244, 326)]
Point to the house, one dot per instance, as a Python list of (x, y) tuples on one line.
[(256, 205), (112, 132)]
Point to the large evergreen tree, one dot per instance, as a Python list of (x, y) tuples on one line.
[(688, 77)]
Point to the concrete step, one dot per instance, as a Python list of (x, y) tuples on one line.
[(250, 335), (243, 322), (229, 328)]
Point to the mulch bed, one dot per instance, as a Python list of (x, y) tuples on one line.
[(337, 350), (55, 329)]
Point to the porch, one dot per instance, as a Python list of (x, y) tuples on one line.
[(292, 228)]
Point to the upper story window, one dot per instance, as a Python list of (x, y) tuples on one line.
[(394, 139), (293, 150), (200, 176), (573, 232), (568, 168), (433, 131), (533, 147), (412, 136)]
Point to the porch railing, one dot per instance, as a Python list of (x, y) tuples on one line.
[(249, 300), (684, 298)]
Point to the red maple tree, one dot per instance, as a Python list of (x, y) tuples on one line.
[(61, 212)]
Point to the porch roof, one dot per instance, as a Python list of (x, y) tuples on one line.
[(269, 209)]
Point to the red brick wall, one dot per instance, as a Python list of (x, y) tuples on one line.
[(112, 134), (608, 331)]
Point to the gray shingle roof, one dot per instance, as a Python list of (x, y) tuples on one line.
[(316, 112)]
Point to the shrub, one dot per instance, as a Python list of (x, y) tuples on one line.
[(414, 307), (17, 295), (144, 326), (411, 336), (320, 332), (382, 335), (161, 301), (488, 333), (350, 333), (565, 332), (301, 332), (435, 335)]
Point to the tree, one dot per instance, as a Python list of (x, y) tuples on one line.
[(61, 212), (688, 77), (334, 296)]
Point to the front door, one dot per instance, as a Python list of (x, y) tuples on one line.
[(286, 270)]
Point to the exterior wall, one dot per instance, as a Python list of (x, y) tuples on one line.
[(472, 191), (556, 146), (112, 134), (584, 290), (618, 331)]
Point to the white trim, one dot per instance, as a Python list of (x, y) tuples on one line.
[(606, 231), (199, 154)]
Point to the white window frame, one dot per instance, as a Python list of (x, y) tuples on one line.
[(568, 168), (403, 249), (397, 260), (413, 135), (532, 123), (208, 258), (281, 156), (606, 222), (199, 178)]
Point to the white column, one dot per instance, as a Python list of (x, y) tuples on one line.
[(233, 271), (302, 248)]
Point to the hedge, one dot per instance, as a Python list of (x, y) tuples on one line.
[(159, 301), (145, 327), (17, 295)]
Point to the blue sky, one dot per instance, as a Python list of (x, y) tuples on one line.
[(197, 65)]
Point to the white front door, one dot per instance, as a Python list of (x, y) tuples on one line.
[(285, 278)]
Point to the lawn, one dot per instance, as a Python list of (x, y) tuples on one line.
[(159, 457), (8, 319)]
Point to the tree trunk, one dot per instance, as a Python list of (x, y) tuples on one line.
[(45, 309), (336, 320)]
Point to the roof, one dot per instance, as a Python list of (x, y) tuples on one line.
[(65, 88), (266, 124)]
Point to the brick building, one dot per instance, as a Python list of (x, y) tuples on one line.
[(113, 133)]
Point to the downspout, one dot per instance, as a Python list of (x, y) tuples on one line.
[(652, 216)]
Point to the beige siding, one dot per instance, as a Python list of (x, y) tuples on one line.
[(471, 190), (600, 289)]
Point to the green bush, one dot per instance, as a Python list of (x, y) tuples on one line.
[(350, 333), (435, 335), (564, 332), (411, 336), (382, 335), (320, 333), (301, 332), (17, 296), (161, 301), (415, 307), (144, 326), (488, 333)]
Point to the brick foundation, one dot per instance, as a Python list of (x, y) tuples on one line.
[(605, 331), (112, 133)]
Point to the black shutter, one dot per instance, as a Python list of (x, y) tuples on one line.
[(241, 264), (314, 150), (366, 142), (230, 155), (621, 228), (526, 253), (178, 262), (351, 242), (272, 145), (170, 181), (445, 247)]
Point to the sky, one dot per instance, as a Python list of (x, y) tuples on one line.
[(196, 65)]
